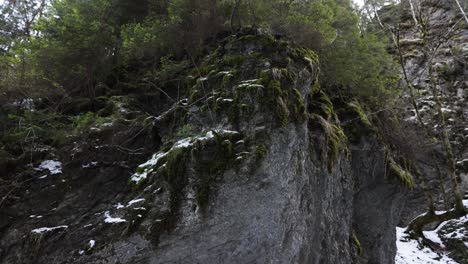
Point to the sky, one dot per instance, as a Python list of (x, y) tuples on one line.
[(359, 2)]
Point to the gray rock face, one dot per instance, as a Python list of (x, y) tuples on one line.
[(378, 203), (289, 211), (272, 197)]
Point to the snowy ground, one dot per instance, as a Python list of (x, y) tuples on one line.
[(410, 252)]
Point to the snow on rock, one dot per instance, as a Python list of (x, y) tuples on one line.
[(91, 243), (89, 165), (36, 216), (119, 206), (410, 251), (48, 229), (135, 201), (111, 220), (148, 167), (55, 167)]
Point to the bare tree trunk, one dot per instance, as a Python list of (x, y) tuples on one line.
[(447, 145), (413, 12)]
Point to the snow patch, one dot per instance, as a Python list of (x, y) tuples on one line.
[(410, 251), (35, 216), (135, 201), (48, 229), (111, 220), (55, 167), (91, 243), (119, 206), (148, 167)]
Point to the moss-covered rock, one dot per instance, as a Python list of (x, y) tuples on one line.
[(403, 175)]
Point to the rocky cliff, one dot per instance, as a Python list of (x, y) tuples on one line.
[(246, 162)]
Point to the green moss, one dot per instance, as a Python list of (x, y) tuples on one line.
[(336, 140), (287, 75), (356, 107), (82, 123), (234, 59), (226, 79), (299, 107), (264, 77), (205, 69), (357, 124), (282, 112), (402, 175), (260, 152), (175, 166), (305, 54), (356, 243), (275, 100)]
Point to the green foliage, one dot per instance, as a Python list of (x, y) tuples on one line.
[(309, 23), (24, 131), (82, 123), (77, 44), (80, 44), (186, 131), (357, 63)]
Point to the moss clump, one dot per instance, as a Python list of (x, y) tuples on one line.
[(335, 140), (260, 152), (322, 105), (356, 123), (282, 112), (300, 111), (234, 59), (277, 100), (175, 165), (356, 107), (402, 175)]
